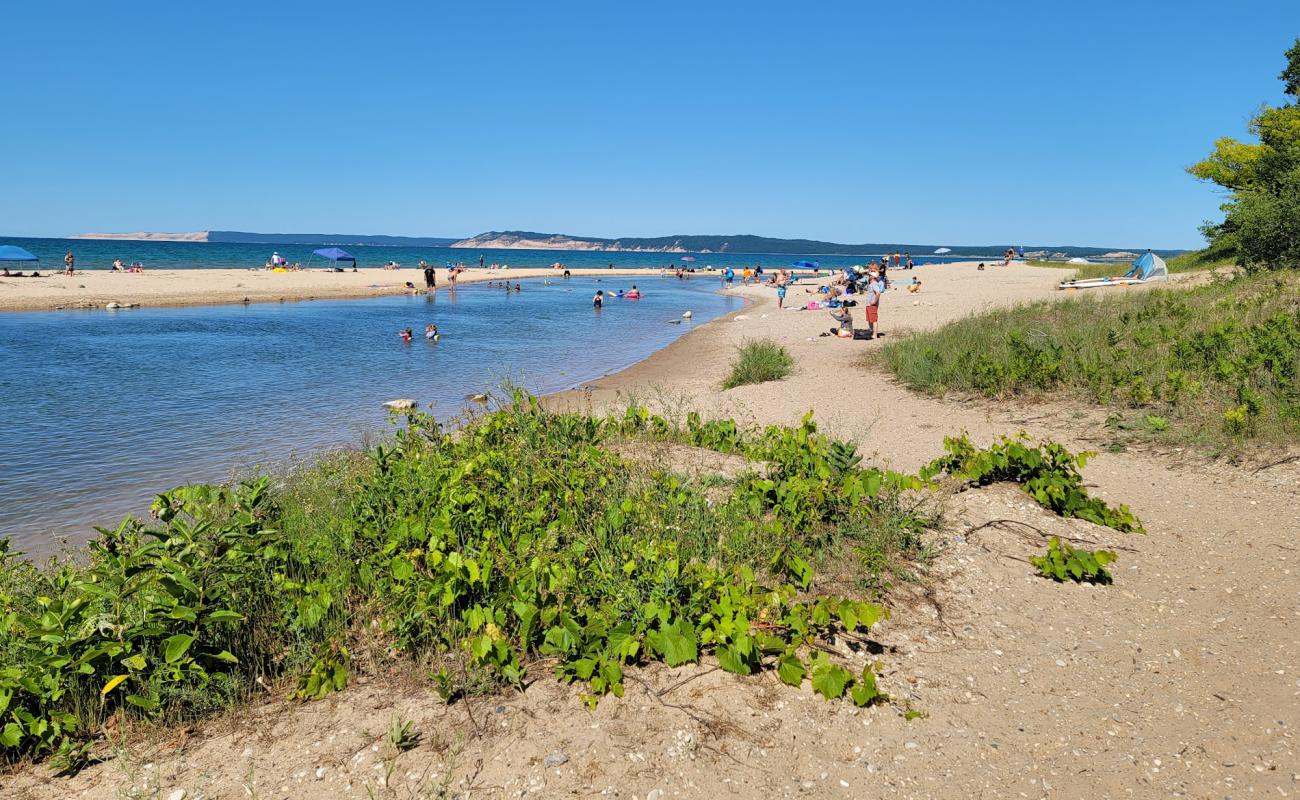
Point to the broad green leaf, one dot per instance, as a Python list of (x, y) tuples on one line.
[(829, 680), (11, 735), (677, 643), (147, 703), (225, 616), (730, 659), (790, 669), (175, 647)]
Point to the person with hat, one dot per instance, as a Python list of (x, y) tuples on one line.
[(875, 288)]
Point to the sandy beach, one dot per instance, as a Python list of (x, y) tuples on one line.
[(1176, 681), (189, 287)]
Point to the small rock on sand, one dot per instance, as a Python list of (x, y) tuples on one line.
[(555, 759)]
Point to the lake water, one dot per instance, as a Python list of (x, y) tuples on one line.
[(99, 254), (102, 409)]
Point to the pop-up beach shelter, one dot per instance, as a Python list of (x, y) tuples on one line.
[(11, 252), (335, 254), (1147, 269)]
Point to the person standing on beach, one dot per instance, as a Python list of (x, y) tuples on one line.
[(480, 260), (68, 262), (728, 276), (875, 288), (430, 279), (782, 278)]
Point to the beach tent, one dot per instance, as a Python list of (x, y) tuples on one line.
[(805, 265), (1149, 268), (10, 252), (335, 254)]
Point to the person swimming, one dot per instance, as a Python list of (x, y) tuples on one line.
[(634, 293), (407, 335), (599, 299), (431, 333)]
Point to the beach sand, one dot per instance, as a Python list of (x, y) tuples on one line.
[(188, 287), (1179, 680)]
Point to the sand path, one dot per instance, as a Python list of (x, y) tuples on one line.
[(1182, 679)]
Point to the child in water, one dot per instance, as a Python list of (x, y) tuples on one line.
[(599, 299), (406, 335), (431, 333)]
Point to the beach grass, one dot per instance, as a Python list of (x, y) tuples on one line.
[(1216, 365), (759, 361)]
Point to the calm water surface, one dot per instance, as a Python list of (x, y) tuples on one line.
[(99, 254), (102, 409)]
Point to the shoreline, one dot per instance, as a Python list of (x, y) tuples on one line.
[(200, 287)]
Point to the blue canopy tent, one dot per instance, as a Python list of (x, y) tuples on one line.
[(805, 265), (336, 255), (10, 252)]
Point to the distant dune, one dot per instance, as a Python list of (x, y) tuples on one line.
[(143, 236)]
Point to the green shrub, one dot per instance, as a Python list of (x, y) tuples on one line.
[(759, 362), (1062, 563), (520, 539), (1047, 472)]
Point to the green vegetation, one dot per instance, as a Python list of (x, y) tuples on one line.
[(1217, 365), (1047, 472), (1262, 218), (1065, 563), (518, 541), (759, 362)]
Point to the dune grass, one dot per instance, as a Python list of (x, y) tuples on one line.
[(759, 361), (1217, 365)]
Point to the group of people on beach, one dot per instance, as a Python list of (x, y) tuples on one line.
[(854, 286)]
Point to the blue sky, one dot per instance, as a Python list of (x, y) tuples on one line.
[(962, 123)]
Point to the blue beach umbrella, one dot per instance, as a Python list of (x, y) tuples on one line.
[(10, 252)]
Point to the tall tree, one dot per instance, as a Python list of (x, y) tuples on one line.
[(1261, 218)]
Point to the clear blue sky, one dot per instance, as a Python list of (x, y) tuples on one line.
[(958, 122)]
